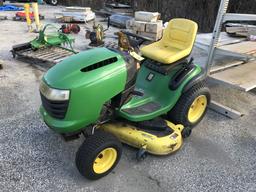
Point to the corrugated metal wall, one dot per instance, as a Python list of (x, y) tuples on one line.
[(202, 11)]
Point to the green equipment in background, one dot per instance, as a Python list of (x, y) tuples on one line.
[(51, 45)]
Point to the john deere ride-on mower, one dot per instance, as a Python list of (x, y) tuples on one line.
[(101, 94)]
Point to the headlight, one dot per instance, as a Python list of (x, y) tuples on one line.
[(53, 94)]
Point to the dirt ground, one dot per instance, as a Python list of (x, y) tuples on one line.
[(219, 155)]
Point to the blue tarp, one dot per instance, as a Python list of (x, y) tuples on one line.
[(10, 8)]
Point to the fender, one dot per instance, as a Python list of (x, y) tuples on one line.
[(180, 76), (198, 78)]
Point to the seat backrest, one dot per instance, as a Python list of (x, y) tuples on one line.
[(180, 33)]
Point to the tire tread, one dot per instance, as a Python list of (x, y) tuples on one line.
[(179, 112), (88, 149)]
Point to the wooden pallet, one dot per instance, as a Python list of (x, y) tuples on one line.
[(236, 73), (230, 71), (225, 39), (245, 47), (48, 54), (242, 76)]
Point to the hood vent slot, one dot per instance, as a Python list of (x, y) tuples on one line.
[(99, 64)]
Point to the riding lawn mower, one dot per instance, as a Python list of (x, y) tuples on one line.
[(102, 94)]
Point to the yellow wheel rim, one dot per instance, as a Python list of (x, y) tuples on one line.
[(104, 160), (197, 108)]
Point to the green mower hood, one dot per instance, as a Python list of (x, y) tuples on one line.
[(93, 77), (82, 68)]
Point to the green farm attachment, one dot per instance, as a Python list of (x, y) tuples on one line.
[(50, 46)]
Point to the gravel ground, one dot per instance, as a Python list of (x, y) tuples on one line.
[(219, 156)]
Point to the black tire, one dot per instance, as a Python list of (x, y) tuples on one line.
[(179, 114), (91, 149)]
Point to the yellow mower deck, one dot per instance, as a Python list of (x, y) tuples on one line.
[(157, 145)]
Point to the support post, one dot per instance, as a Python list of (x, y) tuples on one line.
[(216, 33)]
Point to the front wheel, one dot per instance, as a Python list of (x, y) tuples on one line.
[(191, 107), (98, 155)]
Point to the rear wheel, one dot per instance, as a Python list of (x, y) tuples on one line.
[(98, 155), (191, 107)]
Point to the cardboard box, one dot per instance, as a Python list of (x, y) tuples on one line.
[(146, 16), (139, 25), (130, 24), (66, 19), (153, 36), (154, 27), (78, 9), (75, 16)]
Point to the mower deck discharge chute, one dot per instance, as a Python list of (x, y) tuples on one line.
[(102, 94), (47, 47)]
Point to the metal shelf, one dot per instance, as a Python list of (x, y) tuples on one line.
[(240, 71)]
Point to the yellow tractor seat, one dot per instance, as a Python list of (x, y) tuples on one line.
[(177, 42)]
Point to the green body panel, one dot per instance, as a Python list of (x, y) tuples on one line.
[(88, 90), (156, 90)]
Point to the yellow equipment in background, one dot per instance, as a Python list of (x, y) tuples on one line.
[(36, 16), (29, 22)]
